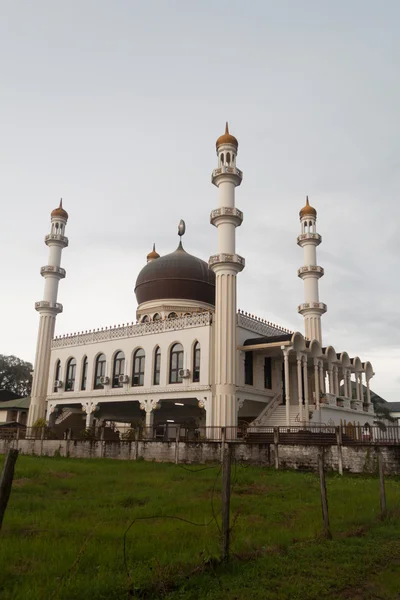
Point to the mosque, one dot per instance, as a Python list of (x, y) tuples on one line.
[(191, 356)]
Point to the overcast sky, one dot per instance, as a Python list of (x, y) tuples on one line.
[(116, 106)]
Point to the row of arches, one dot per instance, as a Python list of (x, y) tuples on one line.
[(118, 375)]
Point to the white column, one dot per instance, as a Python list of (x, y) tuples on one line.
[(287, 385), (358, 387), (89, 408), (305, 379), (368, 393), (322, 377), (299, 387), (336, 380), (330, 378)]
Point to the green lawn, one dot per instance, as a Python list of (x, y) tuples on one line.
[(63, 534)]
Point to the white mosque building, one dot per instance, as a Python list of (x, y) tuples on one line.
[(191, 356)]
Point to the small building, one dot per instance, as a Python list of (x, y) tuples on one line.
[(14, 411)]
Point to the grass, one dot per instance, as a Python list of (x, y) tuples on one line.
[(63, 534)]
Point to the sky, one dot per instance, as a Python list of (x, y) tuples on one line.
[(116, 106)]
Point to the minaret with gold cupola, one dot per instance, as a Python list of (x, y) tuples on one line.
[(226, 265), (310, 273), (48, 308)]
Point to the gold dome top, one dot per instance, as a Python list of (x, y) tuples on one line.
[(308, 211), (59, 212), (153, 254), (227, 138)]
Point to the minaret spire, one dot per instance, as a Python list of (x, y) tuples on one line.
[(310, 273), (226, 265), (48, 308)]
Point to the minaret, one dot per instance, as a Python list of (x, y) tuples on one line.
[(312, 308), (48, 308), (226, 264)]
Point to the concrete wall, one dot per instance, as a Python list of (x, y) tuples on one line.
[(356, 459)]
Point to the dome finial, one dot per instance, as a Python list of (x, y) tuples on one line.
[(308, 211), (227, 138), (153, 254), (226, 128), (181, 228), (59, 212)]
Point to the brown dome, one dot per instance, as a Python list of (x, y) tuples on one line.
[(308, 211), (59, 212), (176, 275), (227, 138)]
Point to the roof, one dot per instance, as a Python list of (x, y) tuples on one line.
[(6, 395), (20, 403), (393, 406), (284, 337)]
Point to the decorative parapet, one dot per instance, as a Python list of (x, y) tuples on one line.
[(319, 306), (257, 325), (233, 171), (304, 237), (126, 392), (57, 239), (231, 213), (53, 270), (233, 259), (55, 307), (133, 330), (311, 269)]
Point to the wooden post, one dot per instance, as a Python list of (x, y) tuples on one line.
[(41, 440), (381, 483), (17, 438), (178, 435), (324, 498), (339, 449), (226, 500), (137, 432), (102, 443), (223, 440), (68, 444), (6, 481), (276, 447)]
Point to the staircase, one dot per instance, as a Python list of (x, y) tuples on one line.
[(70, 417), (278, 417)]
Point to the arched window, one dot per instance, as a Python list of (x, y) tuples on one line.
[(145, 319), (157, 317), (57, 375), (222, 159), (70, 379), (84, 373), (176, 363), (138, 367), (157, 366), (99, 371), (248, 368), (196, 362), (228, 158), (172, 315), (118, 369)]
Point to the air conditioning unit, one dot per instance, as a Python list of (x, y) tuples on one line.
[(58, 384), (104, 380), (123, 378), (184, 373)]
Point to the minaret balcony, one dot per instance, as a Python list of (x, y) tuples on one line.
[(52, 270), (221, 173), (226, 214), (54, 307), (56, 239), (312, 270), (227, 259), (305, 238), (308, 307)]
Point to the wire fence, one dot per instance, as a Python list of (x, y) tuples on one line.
[(303, 434)]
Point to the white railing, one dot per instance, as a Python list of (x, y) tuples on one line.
[(133, 330), (259, 326), (268, 410)]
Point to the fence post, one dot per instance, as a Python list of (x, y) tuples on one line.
[(223, 439), (6, 479), (41, 440), (381, 483), (102, 443), (226, 500), (339, 449), (68, 444), (17, 438), (324, 498), (178, 435), (137, 432), (276, 447)]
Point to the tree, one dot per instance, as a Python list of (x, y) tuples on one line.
[(382, 410), (15, 375)]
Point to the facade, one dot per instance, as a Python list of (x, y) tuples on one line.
[(190, 357)]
